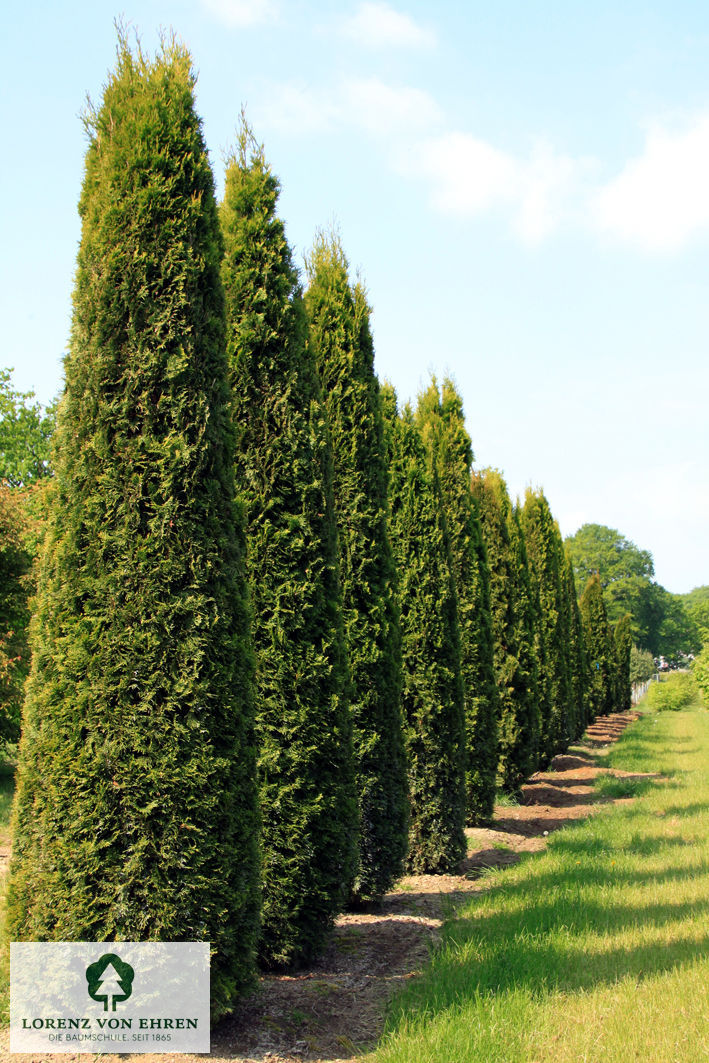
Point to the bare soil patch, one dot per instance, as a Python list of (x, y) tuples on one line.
[(335, 1010)]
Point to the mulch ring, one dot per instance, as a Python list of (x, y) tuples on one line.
[(335, 1009)]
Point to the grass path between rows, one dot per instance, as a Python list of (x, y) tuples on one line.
[(595, 950)]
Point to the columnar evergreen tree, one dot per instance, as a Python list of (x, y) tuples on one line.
[(578, 665), (284, 476), (433, 700), (600, 652), (136, 815), (340, 344), (15, 586), (513, 630), (440, 420), (622, 644), (545, 550)]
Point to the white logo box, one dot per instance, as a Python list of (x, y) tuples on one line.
[(110, 996)]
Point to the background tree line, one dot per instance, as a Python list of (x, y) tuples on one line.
[(286, 642)]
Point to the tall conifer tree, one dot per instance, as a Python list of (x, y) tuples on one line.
[(622, 643), (136, 810), (434, 712), (284, 474), (578, 665), (513, 629), (600, 652), (440, 419), (545, 550), (340, 343)]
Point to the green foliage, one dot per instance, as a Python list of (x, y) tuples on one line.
[(642, 665), (579, 677), (675, 692), (284, 476), (440, 420), (678, 633), (513, 630), (546, 558), (340, 344), (433, 700), (600, 651), (26, 429), (596, 548), (136, 814), (622, 644), (696, 604), (700, 671), (659, 620), (15, 588)]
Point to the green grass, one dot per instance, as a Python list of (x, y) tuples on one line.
[(595, 950), (609, 786)]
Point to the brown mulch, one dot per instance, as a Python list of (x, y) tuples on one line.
[(335, 1009)]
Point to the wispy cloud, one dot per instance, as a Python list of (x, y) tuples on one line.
[(659, 200), (384, 109), (368, 104), (378, 25), (468, 176), (239, 13), (656, 203)]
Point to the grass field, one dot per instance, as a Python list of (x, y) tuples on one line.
[(597, 949)]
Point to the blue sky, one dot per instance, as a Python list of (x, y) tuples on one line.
[(524, 187)]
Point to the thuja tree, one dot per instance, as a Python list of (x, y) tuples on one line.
[(136, 815), (545, 550), (439, 417), (340, 344), (578, 666), (513, 630), (15, 587), (284, 476), (600, 652), (622, 645), (434, 719)]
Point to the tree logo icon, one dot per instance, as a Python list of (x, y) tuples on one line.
[(110, 980)]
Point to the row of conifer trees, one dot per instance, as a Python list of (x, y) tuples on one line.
[(286, 643)]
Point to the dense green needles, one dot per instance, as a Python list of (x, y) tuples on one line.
[(340, 345), (284, 475), (136, 810)]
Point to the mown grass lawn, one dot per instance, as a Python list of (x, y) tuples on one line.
[(597, 949)]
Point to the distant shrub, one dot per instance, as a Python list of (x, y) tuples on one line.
[(674, 693), (700, 672)]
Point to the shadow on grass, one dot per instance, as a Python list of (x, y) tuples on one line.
[(554, 939)]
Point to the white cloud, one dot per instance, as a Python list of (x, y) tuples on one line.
[(377, 25), (298, 109), (382, 108), (469, 176), (239, 13), (545, 183), (368, 104), (659, 201)]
